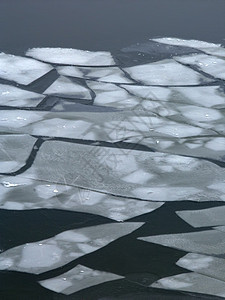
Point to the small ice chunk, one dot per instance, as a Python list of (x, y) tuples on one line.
[(69, 56), (205, 217), (179, 130), (77, 279), (165, 72), (203, 264), (13, 96), (200, 114), (211, 65), (192, 282), (22, 70), (210, 242), (216, 144), (65, 87)]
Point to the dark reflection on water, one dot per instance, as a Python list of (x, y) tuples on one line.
[(106, 24)]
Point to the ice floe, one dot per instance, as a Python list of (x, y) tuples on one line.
[(206, 217), (211, 65), (13, 96), (166, 72), (110, 74), (65, 87), (110, 170), (203, 264), (210, 242), (21, 194), (76, 279), (21, 69), (192, 282), (69, 56), (42, 256)]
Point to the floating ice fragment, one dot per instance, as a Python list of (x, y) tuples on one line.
[(166, 72), (65, 87), (76, 279), (71, 56), (55, 252), (21, 69), (203, 264), (192, 282), (13, 96), (211, 65), (210, 242), (205, 217)]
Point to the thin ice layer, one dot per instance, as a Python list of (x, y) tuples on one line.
[(125, 172), (65, 87), (77, 279), (13, 96), (42, 256), (166, 72), (210, 242), (211, 65), (69, 56), (107, 74), (192, 282), (21, 69), (18, 193), (213, 216), (203, 264), (14, 151)]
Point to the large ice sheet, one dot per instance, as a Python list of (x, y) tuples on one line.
[(166, 72), (19, 193), (13, 96), (63, 248), (14, 151), (211, 65), (77, 279), (192, 282), (213, 216), (210, 242), (69, 56), (65, 87), (125, 172), (107, 74), (21, 69), (203, 264)]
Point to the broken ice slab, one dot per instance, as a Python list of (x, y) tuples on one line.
[(192, 282), (77, 279), (166, 72), (126, 172), (69, 56), (18, 193), (220, 228), (13, 96), (22, 70), (205, 217), (209, 48), (65, 87), (210, 242), (203, 264), (207, 96), (211, 65), (14, 151), (42, 256), (107, 74)]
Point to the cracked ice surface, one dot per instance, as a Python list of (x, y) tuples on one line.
[(63, 248), (71, 56), (131, 173), (76, 279), (21, 69)]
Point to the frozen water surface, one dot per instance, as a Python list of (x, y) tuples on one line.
[(134, 136)]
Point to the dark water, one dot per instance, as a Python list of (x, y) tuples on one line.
[(102, 25)]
